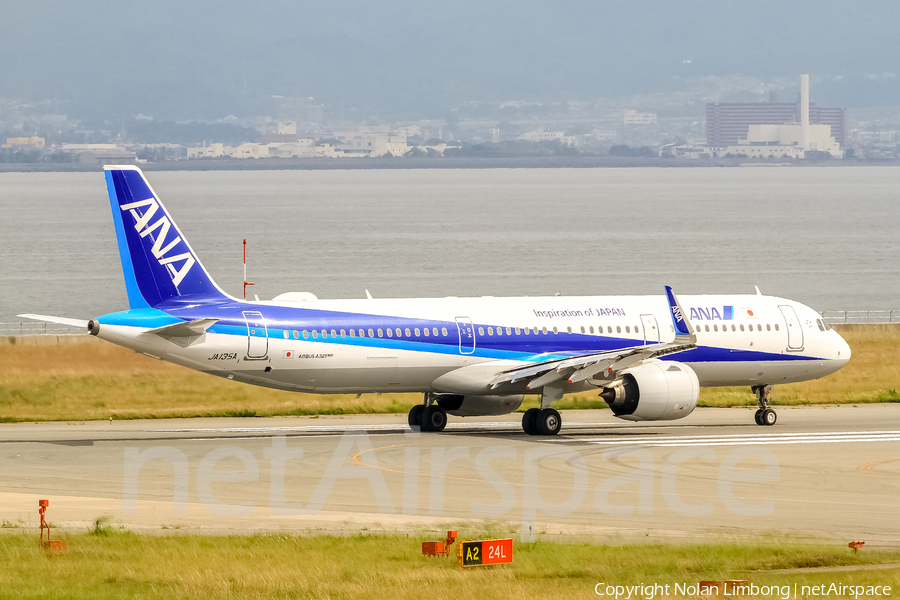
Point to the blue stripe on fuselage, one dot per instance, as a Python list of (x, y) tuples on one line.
[(533, 347)]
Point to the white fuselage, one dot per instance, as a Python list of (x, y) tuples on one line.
[(343, 346)]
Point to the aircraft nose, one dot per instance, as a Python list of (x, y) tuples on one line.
[(842, 348)]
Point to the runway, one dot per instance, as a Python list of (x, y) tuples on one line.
[(820, 473)]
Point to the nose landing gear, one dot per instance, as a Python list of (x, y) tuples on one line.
[(764, 415)]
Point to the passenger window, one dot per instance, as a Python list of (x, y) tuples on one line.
[(733, 328), (527, 331), (627, 329), (426, 332), (324, 334), (536, 331), (408, 334), (715, 327), (443, 330), (481, 331), (776, 326), (333, 333), (343, 333), (398, 332), (390, 333), (544, 329), (569, 329), (509, 331), (706, 327), (768, 327), (315, 334), (371, 333), (490, 331), (599, 329), (618, 329), (305, 334), (608, 329), (352, 333), (499, 331), (742, 326), (759, 327), (417, 332), (380, 333), (582, 329), (518, 331), (434, 331), (296, 335), (555, 330)]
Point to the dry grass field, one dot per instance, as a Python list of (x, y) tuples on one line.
[(110, 563), (86, 379)]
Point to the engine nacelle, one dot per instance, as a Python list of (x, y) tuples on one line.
[(653, 391), (471, 405)]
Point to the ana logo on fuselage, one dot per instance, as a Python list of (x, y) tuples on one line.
[(712, 314), (161, 226)]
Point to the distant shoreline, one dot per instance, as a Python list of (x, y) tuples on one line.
[(327, 164)]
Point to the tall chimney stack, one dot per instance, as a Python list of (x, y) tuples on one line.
[(804, 112)]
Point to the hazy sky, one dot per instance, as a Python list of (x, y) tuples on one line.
[(208, 59)]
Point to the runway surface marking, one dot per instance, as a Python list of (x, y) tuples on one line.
[(747, 439), (873, 466)]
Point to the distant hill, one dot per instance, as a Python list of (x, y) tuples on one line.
[(186, 60)]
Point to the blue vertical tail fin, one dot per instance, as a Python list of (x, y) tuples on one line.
[(158, 263)]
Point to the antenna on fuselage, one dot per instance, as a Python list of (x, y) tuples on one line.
[(758, 293), (246, 283), (368, 295)]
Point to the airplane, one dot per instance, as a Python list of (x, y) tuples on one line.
[(647, 356)]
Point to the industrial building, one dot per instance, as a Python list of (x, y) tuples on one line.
[(727, 122), (774, 130)]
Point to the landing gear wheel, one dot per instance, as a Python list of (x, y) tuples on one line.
[(415, 417), (769, 417), (548, 421), (758, 417), (528, 421), (434, 418)]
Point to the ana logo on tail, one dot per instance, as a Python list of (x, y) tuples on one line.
[(160, 249)]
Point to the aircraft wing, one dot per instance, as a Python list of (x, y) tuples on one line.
[(60, 320), (579, 368)]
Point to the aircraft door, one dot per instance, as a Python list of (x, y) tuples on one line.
[(257, 334), (794, 331), (651, 329), (466, 335)]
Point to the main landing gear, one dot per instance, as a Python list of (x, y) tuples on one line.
[(541, 421), (428, 416), (765, 415), (544, 420)]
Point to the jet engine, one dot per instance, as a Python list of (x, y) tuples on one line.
[(471, 405), (653, 391)]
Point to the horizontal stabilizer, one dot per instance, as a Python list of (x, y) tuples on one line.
[(186, 333), (60, 320)]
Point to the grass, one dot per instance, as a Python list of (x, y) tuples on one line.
[(97, 380), (121, 564)]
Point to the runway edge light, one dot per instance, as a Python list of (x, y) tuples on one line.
[(439, 548), (51, 545)]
